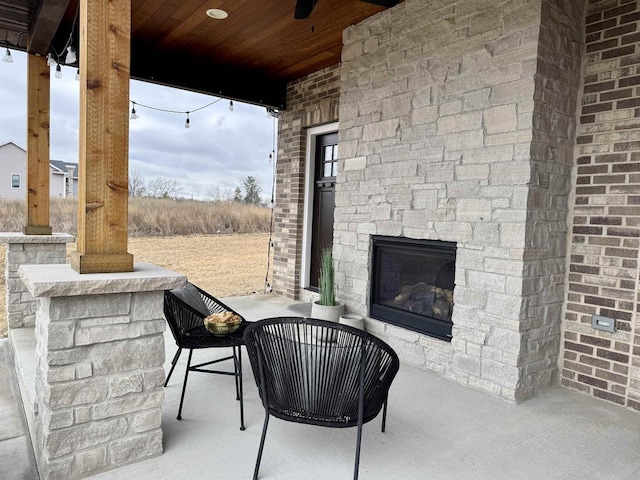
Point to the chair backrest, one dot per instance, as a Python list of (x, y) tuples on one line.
[(314, 371), (186, 308)]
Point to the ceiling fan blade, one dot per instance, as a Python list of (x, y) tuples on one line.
[(383, 3), (304, 8)]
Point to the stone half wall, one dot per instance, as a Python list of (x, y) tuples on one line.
[(454, 126), (603, 271), (311, 101)]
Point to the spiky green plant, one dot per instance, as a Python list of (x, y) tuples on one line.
[(325, 282)]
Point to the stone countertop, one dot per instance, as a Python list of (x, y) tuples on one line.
[(17, 237), (62, 281)]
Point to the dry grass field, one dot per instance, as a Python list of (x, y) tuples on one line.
[(224, 265)]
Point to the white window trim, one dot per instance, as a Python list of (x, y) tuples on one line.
[(312, 133), (20, 177)]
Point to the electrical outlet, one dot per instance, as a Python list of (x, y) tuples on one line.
[(606, 324)]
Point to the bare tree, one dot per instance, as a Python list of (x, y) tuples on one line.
[(163, 187), (217, 193), (136, 184)]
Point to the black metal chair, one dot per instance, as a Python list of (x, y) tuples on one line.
[(185, 310), (301, 378)]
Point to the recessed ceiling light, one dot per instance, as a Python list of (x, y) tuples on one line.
[(217, 14)]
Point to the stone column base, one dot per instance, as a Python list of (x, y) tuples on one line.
[(100, 375)]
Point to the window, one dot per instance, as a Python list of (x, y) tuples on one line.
[(16, 181)]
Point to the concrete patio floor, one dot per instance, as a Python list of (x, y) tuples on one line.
[(436, 429)]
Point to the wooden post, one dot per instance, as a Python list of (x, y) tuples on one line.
[(105, 37), (38, 169)]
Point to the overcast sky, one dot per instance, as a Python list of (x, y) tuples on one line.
[(220, 149)]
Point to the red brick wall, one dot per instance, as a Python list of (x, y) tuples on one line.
[(605, 244), (311, 100)]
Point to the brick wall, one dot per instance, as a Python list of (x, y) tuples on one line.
[(603, 276), (311, 100)]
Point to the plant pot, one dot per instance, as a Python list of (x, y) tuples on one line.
[(352, 320), (329, 313), (326, 312)]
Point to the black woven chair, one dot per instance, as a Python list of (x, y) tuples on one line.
[(185, 310), (301, 378)]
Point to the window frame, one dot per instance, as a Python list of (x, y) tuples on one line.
[(19, 187)]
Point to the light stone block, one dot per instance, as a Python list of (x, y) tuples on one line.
[(147, 420), (459, 123), (91, 461), (128, 404), (128, 355), (504, 305), (380, 130), (65, 441), (136, 448), (81, 392), (124, 384), (357, 163), (486, 281), (500, 119), (473, 210)]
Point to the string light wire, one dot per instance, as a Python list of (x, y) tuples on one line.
[(267, 286)]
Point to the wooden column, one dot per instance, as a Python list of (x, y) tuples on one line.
[(38, 169), (105, 37)]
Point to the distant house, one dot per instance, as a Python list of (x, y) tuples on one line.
[(63, 179)]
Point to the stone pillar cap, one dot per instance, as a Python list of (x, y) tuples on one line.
[(62, 281), (17, 237)]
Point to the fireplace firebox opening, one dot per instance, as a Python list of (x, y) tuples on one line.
[(412, 283)]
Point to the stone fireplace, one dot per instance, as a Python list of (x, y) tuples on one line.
[(412, 284), (456, 124)]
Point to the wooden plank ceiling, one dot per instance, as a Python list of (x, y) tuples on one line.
[(249, 56)]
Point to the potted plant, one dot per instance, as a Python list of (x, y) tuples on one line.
[(326, 308)]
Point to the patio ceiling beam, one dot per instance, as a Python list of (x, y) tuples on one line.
[(104, 138), (48, 15), (38, 95), (200, 75)]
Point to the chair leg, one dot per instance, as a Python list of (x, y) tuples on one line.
[(264, 435), (173, 365), (358, 442), (384, 413), (239, 377), (235, 367), (184, 386)]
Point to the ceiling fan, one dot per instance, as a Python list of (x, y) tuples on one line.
[(305, 7)]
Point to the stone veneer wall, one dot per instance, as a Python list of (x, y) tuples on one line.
[(454, 125), (603, 272), (22, 250), (99, 380), (311, 101)]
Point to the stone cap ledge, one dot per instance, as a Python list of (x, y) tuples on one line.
[(17, 237), (62, 281)]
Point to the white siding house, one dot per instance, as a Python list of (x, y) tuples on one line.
[(63, 180)]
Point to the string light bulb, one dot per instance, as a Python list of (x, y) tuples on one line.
[(71, 56), (187, 124), (7, 57), (78, 74), (50, 61), (231, 105), (58, 71), (134, 115)]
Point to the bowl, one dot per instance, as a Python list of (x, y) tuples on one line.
[(222, 324)]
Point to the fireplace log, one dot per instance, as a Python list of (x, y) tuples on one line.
[(424, 299)]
